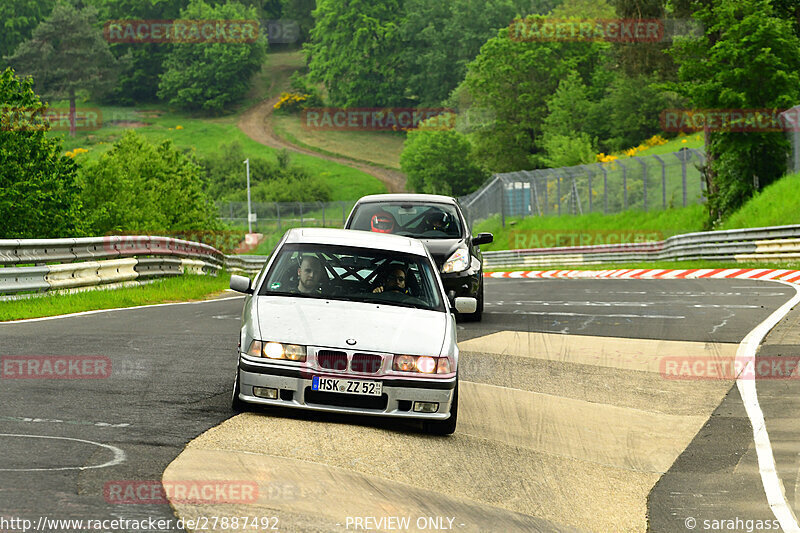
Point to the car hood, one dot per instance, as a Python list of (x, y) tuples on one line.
[(329, 323), (442, 249)]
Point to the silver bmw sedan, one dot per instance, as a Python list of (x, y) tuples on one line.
[(351, 322)]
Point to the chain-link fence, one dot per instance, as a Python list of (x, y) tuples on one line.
[(271, 216), (644, 183)]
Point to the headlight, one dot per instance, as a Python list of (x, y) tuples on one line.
[(458, 262), (277, 350), (421, 364)]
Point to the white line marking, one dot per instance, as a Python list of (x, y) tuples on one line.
[(606, 315), (119, 455), (96, 311), (773, 486)]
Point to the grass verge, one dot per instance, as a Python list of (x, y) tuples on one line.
[(178, 289)]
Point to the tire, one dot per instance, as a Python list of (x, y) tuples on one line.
[(444, 427), (237, 405), (478, 314)]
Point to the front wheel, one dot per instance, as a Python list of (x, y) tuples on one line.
[(478, 314), (445, 427), (237, 405)]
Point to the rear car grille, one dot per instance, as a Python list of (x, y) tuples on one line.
[(366, 362), (332, 359), (346, 400)]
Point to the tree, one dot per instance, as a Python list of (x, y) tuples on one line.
[(441, 38), (565, 139), (39, 194), (644, 58), (67, 54), (210, 76), (145, 188), (439, 161), (301, 12), (138, 79), (18, 18), (747, 59), (514, 78), (353, 52)]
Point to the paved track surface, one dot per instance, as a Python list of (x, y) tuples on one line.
[(566, 421)]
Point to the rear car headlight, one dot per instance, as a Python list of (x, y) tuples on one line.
[(458, 262), (277, 350), (421, 364)]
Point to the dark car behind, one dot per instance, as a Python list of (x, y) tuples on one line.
[(439, 222)]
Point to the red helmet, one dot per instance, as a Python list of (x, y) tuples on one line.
[(382, 222)]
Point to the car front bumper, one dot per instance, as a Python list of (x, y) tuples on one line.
[(466, 283), (294, 390)]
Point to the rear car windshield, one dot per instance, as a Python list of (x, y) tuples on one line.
[(426, 221), (353, 274)]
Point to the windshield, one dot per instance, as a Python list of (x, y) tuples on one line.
[(426, 221), (354, 274)]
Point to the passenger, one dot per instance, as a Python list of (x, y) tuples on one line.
[(394, 282), (310, 274)]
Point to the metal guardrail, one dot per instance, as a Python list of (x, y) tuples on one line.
[(775, 244), (40, 265)]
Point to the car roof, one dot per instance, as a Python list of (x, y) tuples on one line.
[(432, 198), (360, 239)]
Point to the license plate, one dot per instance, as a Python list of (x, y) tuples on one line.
[(346, 386)]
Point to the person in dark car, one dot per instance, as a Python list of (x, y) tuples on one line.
[(395, 281)]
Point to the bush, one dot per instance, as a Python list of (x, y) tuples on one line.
[(440, 162), (39, 192), (225, 180), (211, 76), (138, 187)]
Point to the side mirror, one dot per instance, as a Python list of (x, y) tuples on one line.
[(466, 305), (241, 284), (482, 238)]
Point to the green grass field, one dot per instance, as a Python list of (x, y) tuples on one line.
[(381, 148), (178, 289)]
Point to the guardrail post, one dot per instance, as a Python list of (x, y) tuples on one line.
[(278, 211), (323, 214), (343, 215)]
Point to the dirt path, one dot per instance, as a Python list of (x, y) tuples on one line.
[(256, 123)]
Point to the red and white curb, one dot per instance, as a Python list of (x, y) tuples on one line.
[(791, 276)]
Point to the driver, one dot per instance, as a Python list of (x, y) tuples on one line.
[(395, 281), (310, 273), (437, 221)]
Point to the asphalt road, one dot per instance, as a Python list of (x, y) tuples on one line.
[(569, 423)]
